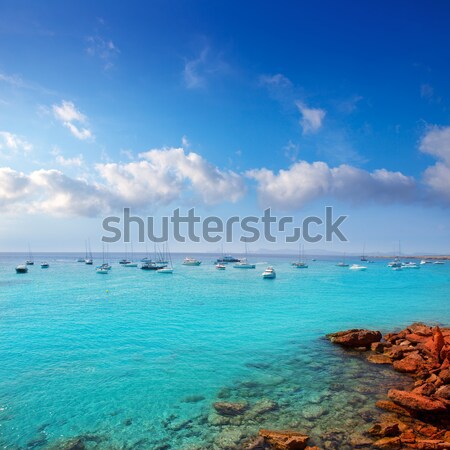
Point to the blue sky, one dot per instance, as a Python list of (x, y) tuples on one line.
[(227, 107)]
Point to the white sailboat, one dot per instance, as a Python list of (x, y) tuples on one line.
[(88, 260), (130, 263), (358, 267), (342, 263), (169, 267), (30, 260), (243, 263)]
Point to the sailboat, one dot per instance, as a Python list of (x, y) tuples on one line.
[(342, 263), (396, 264), (363, 257), (243, 263), (300, 264), (88, 260), (125, 260), (105, 265), (169, 267), (30, 261), (130, 263)]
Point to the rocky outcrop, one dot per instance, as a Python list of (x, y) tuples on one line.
[(419, 418), (284, 440), (355, 338)]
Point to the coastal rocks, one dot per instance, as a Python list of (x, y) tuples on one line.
[(230, 408), (388, 442), (284, 440), (355, 338), (385, 429), (409, 364), (416, 402), (379, 359), (313, 412)]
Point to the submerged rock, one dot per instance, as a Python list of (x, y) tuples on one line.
[(355, 338), (230, 408), (284, 440)]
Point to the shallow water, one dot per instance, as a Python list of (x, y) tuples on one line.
[(136, 359)]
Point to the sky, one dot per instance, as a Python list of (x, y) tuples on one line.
[(229, 108)]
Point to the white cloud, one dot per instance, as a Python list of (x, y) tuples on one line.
[(303, 182), (436, 142), (11, 144), (312, 118), (67, 114), (159, 177)]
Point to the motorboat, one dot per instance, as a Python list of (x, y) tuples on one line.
[(439, 262), (357, 267), (410, 265), (102, 271), (191, 262), (221, 266), (130, 264), (269, 273), (165, 270), (226, 260), (22, 268), (45, 265)]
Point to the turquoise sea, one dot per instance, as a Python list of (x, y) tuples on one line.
[(135, 359)]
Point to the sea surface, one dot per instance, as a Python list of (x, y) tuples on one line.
[(136, 359)]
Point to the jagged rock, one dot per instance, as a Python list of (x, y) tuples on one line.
[(409, 364), (443, 392), (416, 402), (230, 408), (392, 407), (426, 389), (284, 440), (355, 338), (386, 429)]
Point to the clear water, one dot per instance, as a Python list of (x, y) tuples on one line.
[(135, 359)]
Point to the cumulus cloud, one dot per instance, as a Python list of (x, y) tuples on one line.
[(312, 118), (67, 114), (303, 182), (11, 144), (436, 142), (159, 177), (277, 80)]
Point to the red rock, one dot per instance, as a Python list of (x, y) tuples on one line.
[(379, 347), (429, 444), (409, 364), (408, 437), (426, 389), (355, 338), (436, 343), (388, 442), (443, 392), (392, 407), (420, 329), (416, 338), (284, 440), (386, 429), (379, 359), (445, 352), (416, 402), (444, 375)]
